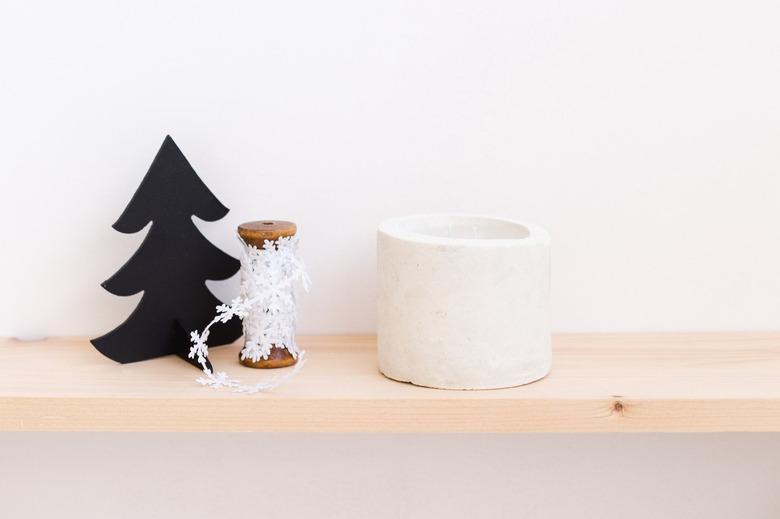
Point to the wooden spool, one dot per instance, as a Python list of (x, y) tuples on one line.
[(255, 233)]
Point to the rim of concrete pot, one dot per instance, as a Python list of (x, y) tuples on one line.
[(463, 229)]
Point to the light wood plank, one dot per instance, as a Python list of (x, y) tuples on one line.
[(693, 382)]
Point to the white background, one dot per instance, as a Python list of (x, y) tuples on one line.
[(644, 136)]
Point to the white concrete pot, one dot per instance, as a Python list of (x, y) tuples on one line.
[(463, 301)]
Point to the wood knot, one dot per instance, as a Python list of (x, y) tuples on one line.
[(618, 407)]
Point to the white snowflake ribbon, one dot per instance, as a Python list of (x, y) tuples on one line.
[(221, 379), (266, 305)]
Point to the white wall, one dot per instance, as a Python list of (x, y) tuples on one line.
[(644, 135)]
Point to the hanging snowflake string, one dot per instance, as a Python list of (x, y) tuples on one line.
[(266, 305)]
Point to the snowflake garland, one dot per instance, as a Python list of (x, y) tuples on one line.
[(266, 305)]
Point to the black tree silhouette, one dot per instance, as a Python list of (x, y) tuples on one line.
[(171, 265)]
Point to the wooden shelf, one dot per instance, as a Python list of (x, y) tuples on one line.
[(612, 382)]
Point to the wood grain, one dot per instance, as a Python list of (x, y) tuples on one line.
[(255, 233), (599, 382)]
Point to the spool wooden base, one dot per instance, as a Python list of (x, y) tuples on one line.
[(278, 358)]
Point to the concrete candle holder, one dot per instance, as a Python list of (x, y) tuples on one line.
[(463, 301)]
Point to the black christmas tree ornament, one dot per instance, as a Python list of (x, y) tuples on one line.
[(170, 267)]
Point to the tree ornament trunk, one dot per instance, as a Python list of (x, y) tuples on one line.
[(256, 233)]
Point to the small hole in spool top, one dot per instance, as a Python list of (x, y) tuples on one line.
[(268, 223)]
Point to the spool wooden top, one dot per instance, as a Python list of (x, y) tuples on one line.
[(255, 233)]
